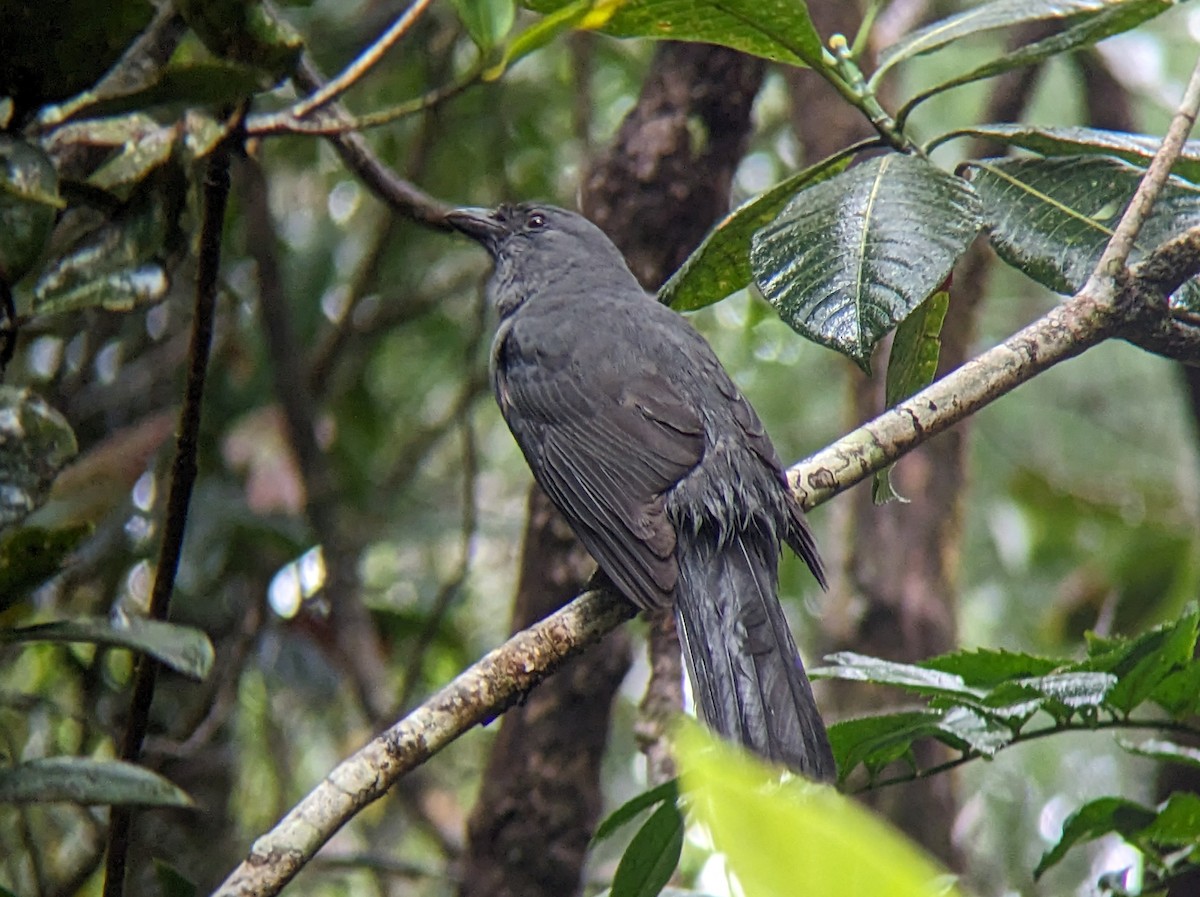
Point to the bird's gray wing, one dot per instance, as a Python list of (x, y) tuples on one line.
[(605, 457)]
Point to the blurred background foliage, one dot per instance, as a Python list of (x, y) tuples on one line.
[(1081, 512)]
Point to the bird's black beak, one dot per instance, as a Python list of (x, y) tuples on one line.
[(478, 224)]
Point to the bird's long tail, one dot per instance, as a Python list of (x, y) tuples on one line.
[(747, 677)]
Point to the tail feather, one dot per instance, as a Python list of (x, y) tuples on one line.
[(747, 676)]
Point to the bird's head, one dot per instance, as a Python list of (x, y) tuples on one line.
[(538, 246)]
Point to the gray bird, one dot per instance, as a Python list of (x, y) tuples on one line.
[(660, 465)]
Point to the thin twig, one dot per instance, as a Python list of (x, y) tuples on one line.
[(363, 64), (1116, 253), (183, 478), (1162, 725)]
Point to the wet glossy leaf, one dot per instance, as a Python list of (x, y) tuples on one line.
[(1137, 149), (36, 442), (29, 202), (721, 264), (182, 648), (775, 29), (980, 733), (1166, 751), (115, 266), (80, 780), (853, 256), (774, 832), (650, 860), (31, 555), (916, 679), (1051, 218), (212, 84)]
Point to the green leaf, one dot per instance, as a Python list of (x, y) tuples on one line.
[(982, 18), (29, 202), (80, 780), (652, 855), (1141, 664), (1166, 751), (631, 808), (182, 648), (1051, 218), (245, 31), (1177, 823), (987, 668), (1137, 149), (851, 257), (36, 442), (487, 21), (912, 365), (1094, 820), (965, 728), (775, 29), (215, 84), (1179, 692), (115, 266), (1081, 30), (877, 741), (721, 264), (916, 679), (537, 35), (31, 555), (772, 831)]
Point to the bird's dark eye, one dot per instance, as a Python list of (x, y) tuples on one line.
[(536, 221)]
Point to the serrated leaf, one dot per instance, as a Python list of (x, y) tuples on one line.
[(1166, 751), (721, 264), (1080, 30), (631, 808), (982, 18), (849, 258), (36, 442), (31, 555), (1137, 149), (1179, 692), (1094, 820), (183, 648), (29, 202), (775, 29), (1051, 218), (785, 838), (877, 741), (1141, 664), (918, 680), (912, 366), (487, 21), (987, 668), (980, 733), (650, 860), (1177, 823), (80, 780)]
